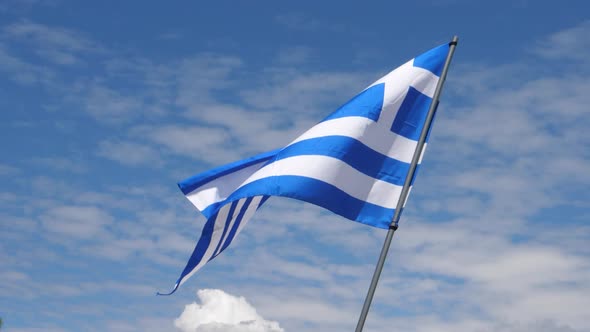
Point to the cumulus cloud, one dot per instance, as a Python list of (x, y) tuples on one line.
[(222, 312)]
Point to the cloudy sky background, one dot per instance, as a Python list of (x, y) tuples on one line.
[(105, 106)]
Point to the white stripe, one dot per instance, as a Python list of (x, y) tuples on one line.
[(220, 188), (408, 75), (254, 204), (215, 236), (337, 173), (231, 224), (368, 132), (375, 135)]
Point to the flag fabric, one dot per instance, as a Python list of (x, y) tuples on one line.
[(353, 163)]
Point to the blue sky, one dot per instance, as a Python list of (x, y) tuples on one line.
[(106, 105)]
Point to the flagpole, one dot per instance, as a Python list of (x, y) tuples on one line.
[(406, 188)]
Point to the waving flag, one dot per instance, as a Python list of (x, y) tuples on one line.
[(353, 163)]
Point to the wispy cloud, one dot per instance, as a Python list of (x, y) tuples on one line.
[(568, 44), (80, 222), (107, 105), (304, 22), (61, 164), (59, 45), (195, 141), (20, 6), (22, 71), (129, 153), (294, 55), (8, 170)]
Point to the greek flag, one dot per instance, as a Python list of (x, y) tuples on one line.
[(353, 163)]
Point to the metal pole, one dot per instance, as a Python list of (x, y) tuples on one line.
[(404, 194)]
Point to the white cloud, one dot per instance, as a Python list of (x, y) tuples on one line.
[(58, 45), (61, 164), (24, 72), (199, 77), (294, 55), (303, 22), (210, 144), (19, 6), (222, 312), (538, 326), (297, 92), (129, 153), (110, 106), (80, 222), (297, 21), (568, 44), (37, 329), (6, 170)]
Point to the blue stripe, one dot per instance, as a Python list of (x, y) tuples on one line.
[(211, 210), (352, 152), (200, 248), (262, 201), (195, 181), (237, 223), (366, 104), (230, 215), (408, 123), (207, 233), (411, 115), (433, 60), (319, 193)]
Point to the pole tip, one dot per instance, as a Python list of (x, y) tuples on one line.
[(454, 41)]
